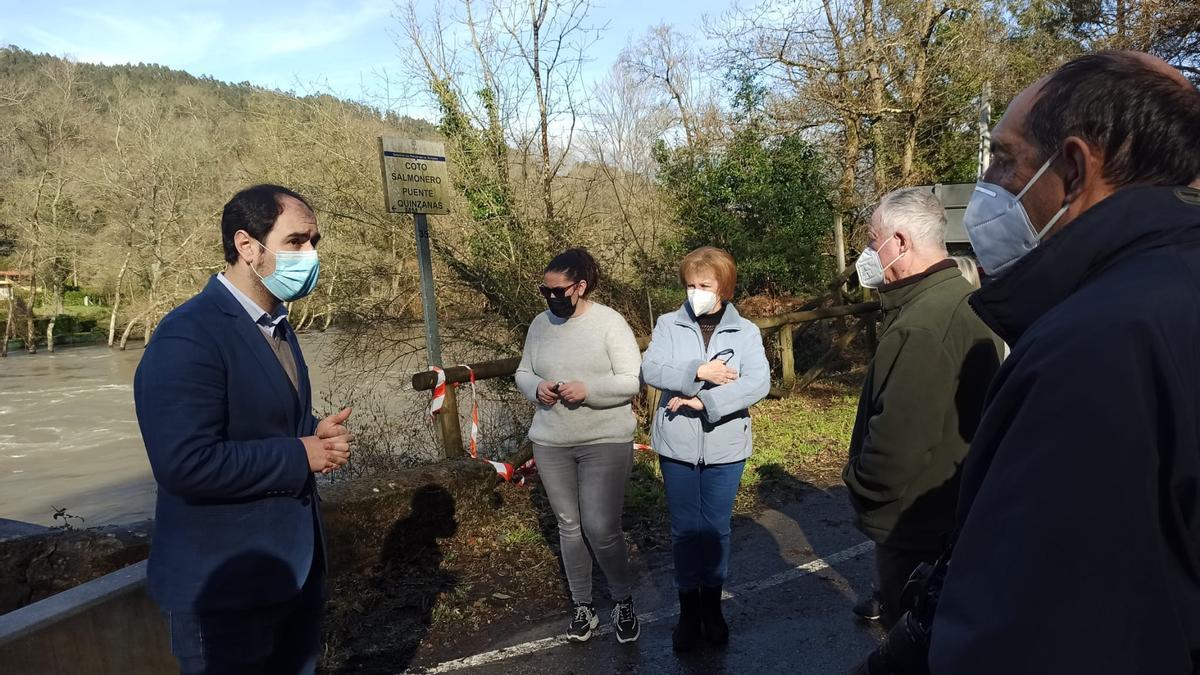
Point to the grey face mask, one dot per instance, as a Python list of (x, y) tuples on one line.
[(999, 227)]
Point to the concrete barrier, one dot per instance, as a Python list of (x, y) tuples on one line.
[(108, 625)]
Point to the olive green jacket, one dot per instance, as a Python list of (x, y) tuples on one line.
[(920, 404)]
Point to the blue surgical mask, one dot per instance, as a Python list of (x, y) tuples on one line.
[(999, 227), (295, 275)]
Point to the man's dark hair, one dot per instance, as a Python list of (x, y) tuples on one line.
[(254, 210), (578, 265), (1145, 122)]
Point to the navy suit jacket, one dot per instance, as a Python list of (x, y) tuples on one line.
[(238, 516)]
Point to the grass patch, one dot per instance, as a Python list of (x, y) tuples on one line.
[(801, 435), (519, 535), (798, 441)]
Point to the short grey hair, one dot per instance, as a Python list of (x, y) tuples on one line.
[(918, 213)]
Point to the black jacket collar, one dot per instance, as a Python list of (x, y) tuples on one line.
[(1130, 221)]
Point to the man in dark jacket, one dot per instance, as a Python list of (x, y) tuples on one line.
[(1079, 541), (225, 408), (923, 394)]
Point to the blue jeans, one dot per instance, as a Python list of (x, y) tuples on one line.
[(700, 499)]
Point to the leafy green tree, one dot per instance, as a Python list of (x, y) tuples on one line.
[(762, 197)]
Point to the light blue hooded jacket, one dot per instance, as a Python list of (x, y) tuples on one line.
[(720, 433)]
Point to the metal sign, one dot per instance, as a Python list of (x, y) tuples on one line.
[(415, 179), (955, 197)]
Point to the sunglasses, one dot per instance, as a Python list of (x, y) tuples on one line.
[(561, 292)]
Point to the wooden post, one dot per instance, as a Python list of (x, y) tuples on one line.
[(869, 325), (787, 356), (452, 443), (653, 398)]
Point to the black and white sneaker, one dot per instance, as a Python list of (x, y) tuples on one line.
[(584, 622), (626, 622)]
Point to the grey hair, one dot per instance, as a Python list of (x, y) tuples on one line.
[(916, 212)]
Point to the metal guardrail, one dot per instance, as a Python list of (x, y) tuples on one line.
[(107, 625)]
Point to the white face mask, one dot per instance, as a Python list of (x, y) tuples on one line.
[(870, 268), (999, 227), (702, 301)]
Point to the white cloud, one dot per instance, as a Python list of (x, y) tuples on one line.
[(311, 26), (198, 39), (179, 39), (41, 41)]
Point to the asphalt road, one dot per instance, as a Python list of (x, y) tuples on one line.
[(796, 571)]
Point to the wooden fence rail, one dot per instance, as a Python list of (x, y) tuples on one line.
[(783, 325)]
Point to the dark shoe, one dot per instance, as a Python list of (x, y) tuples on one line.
[(869, 608), (716, 631), (583, 623), (687, 632), (626, 622)]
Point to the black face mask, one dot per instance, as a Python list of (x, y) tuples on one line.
[(561, 307)]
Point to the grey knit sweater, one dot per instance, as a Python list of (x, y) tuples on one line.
[(596, 348)]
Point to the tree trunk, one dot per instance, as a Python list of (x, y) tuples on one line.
[(985, 130), (689, 133), (539, 14), (56, 308), (850, 120), (144, 317), (916, 98), (875, 75), (30, 330), (50, 333), (112, 318), (839, 242), (128, 329), (8, 321), (497, 147)]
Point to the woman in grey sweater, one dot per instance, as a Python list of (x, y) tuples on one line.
[(580, 366)]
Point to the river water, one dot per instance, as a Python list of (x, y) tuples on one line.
[(69, 436)]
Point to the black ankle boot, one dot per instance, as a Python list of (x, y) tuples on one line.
[(716, 631), (687, 632)]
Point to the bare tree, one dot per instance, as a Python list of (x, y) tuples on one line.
[(664, 56)]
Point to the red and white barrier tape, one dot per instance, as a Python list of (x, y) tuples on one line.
[(439, 392), (474, 415), (504, 469)]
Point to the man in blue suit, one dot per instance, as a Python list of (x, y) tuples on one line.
[(225, 410)]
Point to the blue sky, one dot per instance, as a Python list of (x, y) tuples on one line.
[(287, 44)]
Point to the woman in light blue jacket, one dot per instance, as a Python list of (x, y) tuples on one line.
[(710, 366)]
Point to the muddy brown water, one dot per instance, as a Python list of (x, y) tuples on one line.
[(69, 436)]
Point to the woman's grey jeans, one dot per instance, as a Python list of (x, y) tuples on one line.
[(586, 486)]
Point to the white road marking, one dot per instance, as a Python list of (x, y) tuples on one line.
[(806, 569)]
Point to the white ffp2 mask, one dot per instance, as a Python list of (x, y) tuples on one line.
[(702, 301), (870, 268)]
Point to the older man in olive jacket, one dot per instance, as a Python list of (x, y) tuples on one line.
[(923, 393)]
